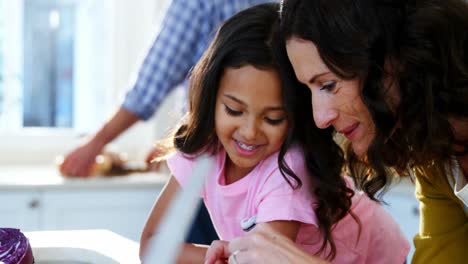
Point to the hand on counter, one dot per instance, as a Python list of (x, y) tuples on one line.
[(81, 161), (152, 161)]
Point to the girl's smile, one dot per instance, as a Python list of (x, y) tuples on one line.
[(245, 149)]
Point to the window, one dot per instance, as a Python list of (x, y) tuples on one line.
[(64, 67), (38, 56), (49, 34)]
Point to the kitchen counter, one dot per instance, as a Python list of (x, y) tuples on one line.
[(82, 246), (48, 178), (39, 198)]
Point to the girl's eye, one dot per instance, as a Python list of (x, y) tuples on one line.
[(232, 112), (328, 86), (274, 122)]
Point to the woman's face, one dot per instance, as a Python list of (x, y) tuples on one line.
[(335, 102)]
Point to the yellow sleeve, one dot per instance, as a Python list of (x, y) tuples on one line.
[(443, 231)]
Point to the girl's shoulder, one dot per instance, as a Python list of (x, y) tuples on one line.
[(180, 160), (294, 158)]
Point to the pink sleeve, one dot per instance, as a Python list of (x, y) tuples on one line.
[(279, 201), (387, 240), (180, 167)]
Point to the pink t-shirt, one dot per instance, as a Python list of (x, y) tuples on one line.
[(265, 193)]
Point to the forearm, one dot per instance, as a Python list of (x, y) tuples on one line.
[(189, 253), (192, 254), (119, 122), (299, 256)]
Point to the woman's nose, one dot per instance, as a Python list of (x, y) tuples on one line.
[(323, 111)]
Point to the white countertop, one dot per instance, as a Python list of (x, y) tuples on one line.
[(47, 177), (82, 246)]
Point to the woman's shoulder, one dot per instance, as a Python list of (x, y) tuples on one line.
[(434, 173)]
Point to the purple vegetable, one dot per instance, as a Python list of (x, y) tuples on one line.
[(14, 247)]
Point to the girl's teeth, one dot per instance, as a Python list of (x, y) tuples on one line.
[(246, 147)]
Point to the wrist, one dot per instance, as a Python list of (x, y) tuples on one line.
[(98, 141)]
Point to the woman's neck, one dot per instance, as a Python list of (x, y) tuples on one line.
[(460, 132), (463, 163)]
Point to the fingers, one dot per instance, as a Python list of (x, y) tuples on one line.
[(216, 252), (153, 154), (75, 167), (233, 259), (251, 247), (151, 162), (154, 166), (77, 163), (246, 257), (252, 239)]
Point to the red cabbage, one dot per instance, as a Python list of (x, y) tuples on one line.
[(14, 247)]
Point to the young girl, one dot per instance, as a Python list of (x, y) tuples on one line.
[(263, 155)]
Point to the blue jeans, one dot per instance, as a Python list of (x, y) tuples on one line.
[(202, 230)]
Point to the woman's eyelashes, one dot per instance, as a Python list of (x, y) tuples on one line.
[(271, 121), (328, 86)]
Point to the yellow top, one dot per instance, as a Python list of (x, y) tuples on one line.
[(443, 230)]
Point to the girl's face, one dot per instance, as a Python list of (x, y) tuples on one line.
[(335, 102), (250, 119)]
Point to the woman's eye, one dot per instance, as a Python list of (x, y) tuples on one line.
[(328, 86), (274, 122), (232, 112)]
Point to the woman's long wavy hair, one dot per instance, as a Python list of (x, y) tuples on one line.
[(249, 38), (434, 78), (324, 159), (420, 47)]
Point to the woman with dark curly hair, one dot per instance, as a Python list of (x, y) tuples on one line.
[(391, 76)]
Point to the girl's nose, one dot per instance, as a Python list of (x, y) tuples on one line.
[(324, 113), (248, 130)]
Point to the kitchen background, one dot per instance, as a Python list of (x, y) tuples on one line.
[(64, 67)]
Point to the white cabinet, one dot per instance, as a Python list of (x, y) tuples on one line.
[(46, 201), (121, 211), (19, 209)]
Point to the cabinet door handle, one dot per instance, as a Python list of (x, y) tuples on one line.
[(34, 204)]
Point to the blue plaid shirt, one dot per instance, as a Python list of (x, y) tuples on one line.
[(186, 30)]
